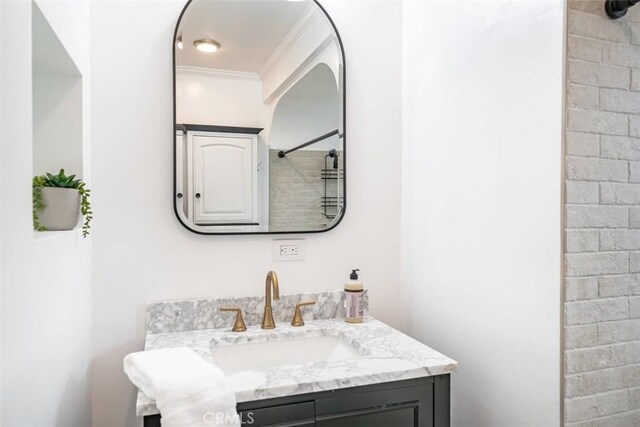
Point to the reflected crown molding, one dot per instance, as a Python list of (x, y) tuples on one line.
[(214, 72), (296, 74), (291, 38)]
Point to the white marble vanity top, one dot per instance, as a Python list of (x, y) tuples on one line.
[(387, 355)]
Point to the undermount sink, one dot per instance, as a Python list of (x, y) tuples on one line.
[(233, 358)]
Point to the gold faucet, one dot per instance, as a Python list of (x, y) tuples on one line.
[(297, 316), (238, 325), (267, 319)]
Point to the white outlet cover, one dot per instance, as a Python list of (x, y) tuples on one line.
[(288, 250)]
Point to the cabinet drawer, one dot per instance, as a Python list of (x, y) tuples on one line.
[(398, 415), (399, 406), (363, 399), (295, 414)]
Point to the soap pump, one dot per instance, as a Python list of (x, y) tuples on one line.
[(354, 301)]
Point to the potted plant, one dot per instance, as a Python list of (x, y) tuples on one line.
[(58, 201)]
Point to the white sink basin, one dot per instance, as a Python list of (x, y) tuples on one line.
[(267, 354)]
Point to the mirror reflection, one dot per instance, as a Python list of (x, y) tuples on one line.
[(259, 111)]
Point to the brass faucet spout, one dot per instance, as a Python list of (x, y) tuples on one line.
[(270, 283)]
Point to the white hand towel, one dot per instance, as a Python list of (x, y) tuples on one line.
[(188, 390)]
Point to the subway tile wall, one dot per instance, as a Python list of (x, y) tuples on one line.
[(602, 238), (296, 189)]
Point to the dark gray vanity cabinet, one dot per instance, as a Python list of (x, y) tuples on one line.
[(420, 402)]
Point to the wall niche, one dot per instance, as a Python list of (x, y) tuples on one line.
[(57, 102)]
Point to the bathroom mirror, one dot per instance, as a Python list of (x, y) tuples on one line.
[(259, 109)]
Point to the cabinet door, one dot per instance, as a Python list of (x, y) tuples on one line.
[(224, 178)]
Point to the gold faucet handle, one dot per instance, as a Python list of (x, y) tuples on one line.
[(297, 316), (238, 325)]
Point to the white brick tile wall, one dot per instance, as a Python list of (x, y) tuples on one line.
[(634, 307), (634, 126), (620, 54), (615, 286), (634, 217), (583, 241), (634, 397), (628, 419), (602, 164), (621, 101), (619, 377), (634, 170), (635, 80), (589, 50), (586, 97), (595, 169), (581, 288), (601, 310), (620, 147), (597, 216), (619, 331), (581, 336), (583, 144), (619, 240), (590, 6), (619, 194), (589, 25), (581, 192), (634, 262), (583, 384), (601, 122)]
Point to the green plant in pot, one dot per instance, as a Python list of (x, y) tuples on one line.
[(58, 201)]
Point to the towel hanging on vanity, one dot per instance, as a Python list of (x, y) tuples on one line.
[(189, 391)]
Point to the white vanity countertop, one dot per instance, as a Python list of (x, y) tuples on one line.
[(388, 355)]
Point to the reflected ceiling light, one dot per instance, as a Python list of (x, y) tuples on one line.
[(179, 44), (207, 45)]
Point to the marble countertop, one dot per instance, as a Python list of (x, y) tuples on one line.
[(387, 355)]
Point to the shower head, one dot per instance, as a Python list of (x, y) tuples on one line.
[(618, 8)]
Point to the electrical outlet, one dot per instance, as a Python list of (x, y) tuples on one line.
[(288, 250)]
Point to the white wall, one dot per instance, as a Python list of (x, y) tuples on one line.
[(2, 137), (46, 282), (482, 116), (140, 251), (225, 99), (310, 108)]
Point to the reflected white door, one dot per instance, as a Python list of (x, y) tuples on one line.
[(224, 177)]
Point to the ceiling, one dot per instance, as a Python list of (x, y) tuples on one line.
[(248, 30)]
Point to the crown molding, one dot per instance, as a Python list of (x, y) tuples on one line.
[(300, 71), (291, 38), (224, 74)]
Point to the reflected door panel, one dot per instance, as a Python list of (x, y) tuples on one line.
[(224, 178)]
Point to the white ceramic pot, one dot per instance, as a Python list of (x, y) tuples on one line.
[(62, 208)]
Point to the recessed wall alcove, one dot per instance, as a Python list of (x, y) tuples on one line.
[(57, 102)]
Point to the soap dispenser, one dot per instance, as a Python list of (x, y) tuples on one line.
[(354, 301)]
